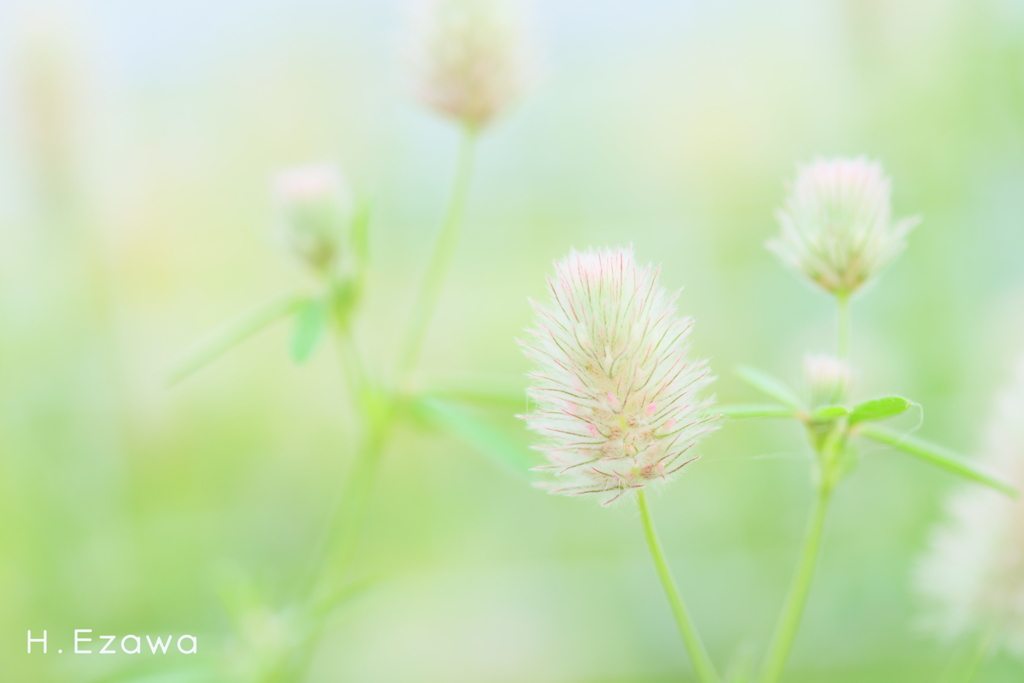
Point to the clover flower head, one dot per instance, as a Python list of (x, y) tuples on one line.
[(618, 397), (972, 576), (469, 58), (314, 207), (837, 227), (828, 378)]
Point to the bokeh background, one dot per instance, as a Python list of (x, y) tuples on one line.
[(136, 144)]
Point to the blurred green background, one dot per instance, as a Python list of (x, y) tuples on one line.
[(136, 145)]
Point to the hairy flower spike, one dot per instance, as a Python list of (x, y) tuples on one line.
[(314, 207), (618, 398), (828, 378), (469, 58), (837, 227), (972, 578)]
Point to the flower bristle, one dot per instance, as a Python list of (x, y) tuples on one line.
[(617, 396)]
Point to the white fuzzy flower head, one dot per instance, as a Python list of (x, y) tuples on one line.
[(618, 398), (469, 58), (828, 379), (972, 577), (314, 207), (837, 227)]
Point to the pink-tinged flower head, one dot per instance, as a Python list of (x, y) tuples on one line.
[(972, 577), (618, 399), (314, 207), (828, 379), (837, 227), (469, 58)]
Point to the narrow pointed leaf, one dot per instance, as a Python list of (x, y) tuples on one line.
[(828, 413), (231, 334), (938, 456), (879, 409), (770, 386), (345, 594), (484, 392), (467, 426), (310, 322), (744, 411)]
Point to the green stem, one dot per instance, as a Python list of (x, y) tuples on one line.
[(343, 530), (842, 326), (444, 252), (341, 535), (698, 655), (354, 501), (789, 622), (351, 364)]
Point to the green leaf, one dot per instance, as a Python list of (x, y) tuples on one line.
[(770, 386), (484, 391), (744, 411), (938, 456), (470, 428), (310, 323), (879, 409), (829, 413), (233, 333)]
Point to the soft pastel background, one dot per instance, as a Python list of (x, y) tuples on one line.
[(136, 143)]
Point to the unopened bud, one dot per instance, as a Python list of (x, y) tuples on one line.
[(314, 209), (828, 378)]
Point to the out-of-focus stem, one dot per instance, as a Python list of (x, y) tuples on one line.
[(379, 410), (354, 501), (430, 289), (691, 639), (842, 326), (789, 622), (351, 362)]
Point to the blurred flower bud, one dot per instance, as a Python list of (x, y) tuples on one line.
[(828, 378), (972, 577), (468, 58), (837, 227), (618, 397), (314, 209)]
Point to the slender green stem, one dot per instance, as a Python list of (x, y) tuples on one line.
[(698, 654), (343, 530), (354, 501), (340, 537), (430, 289), (339, 540), (352, 366), (842, 326), (789, 622)]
